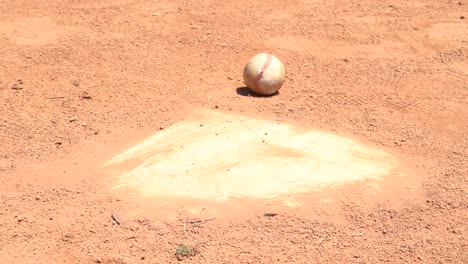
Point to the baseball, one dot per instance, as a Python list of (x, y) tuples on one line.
[(264, 74)]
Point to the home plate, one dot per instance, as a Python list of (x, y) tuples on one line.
[(217, 156)]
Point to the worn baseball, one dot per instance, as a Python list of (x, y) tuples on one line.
[(264, 74)]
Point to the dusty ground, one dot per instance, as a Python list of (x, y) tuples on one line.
[(83, 80)]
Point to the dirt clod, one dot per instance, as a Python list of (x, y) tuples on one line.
[(86, 96)]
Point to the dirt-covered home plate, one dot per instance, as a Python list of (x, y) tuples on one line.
[(218, 156)]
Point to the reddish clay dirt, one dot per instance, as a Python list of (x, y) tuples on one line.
[(82, 81)]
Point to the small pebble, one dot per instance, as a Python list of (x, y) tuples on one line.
[(16, 86), (86, 96)]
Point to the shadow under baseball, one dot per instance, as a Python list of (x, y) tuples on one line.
[(245, 91)]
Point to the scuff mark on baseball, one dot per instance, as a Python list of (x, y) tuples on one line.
[(264, 74)]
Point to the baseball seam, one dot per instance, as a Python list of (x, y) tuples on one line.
[(263, 68)]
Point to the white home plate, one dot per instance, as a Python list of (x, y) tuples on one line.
[(217, 156)]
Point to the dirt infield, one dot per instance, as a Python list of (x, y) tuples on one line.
[(360, 158)]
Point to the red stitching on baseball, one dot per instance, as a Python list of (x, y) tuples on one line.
[(264, 67)]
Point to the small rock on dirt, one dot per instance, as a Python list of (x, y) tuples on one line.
[(270, 214), (17, 86), (86, 96)]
